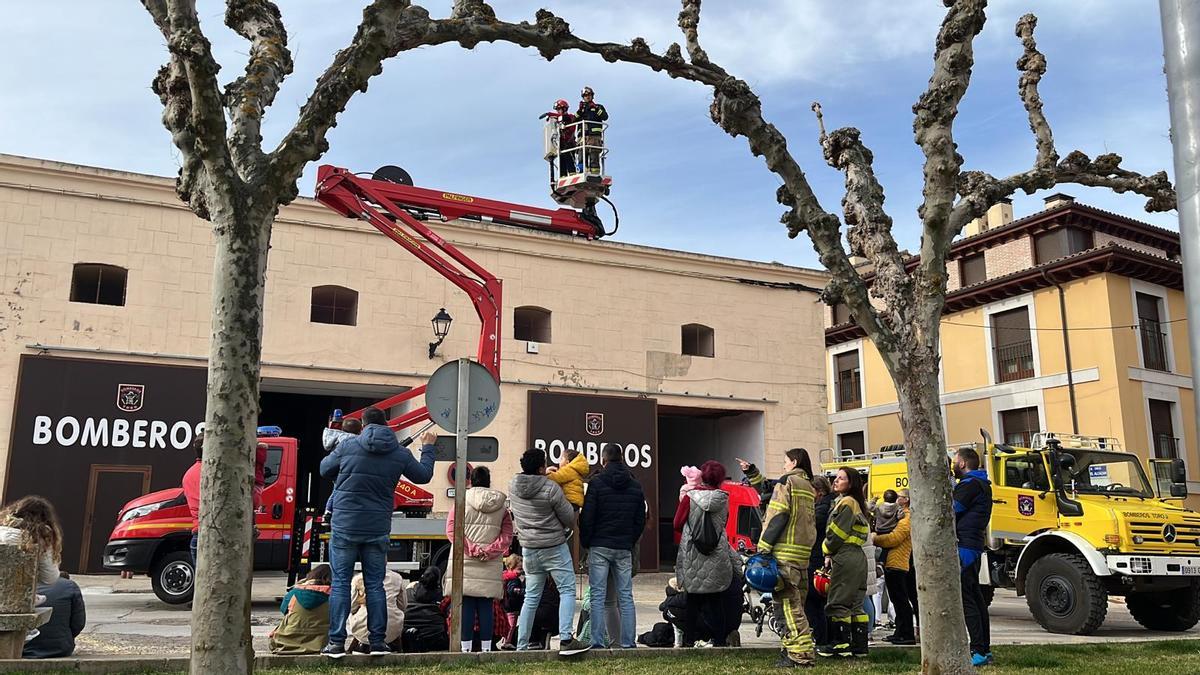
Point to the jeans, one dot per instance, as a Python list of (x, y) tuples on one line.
[(539, 563), (192, 547), (473, 607), (372, 553), (600, 561), (976, 610)]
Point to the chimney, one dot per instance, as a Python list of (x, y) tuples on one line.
[(974, 227), (1000, 214), (1058, 199)]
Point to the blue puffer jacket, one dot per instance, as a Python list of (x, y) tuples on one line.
[(972, 511), (365, 470)]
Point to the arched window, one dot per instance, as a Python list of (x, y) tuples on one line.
[(697, 340), (334, 304), (98, 284), (531, 323)]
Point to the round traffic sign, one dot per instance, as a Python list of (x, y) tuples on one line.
[(483, 397)]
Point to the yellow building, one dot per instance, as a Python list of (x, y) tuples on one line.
[(1069, 320)]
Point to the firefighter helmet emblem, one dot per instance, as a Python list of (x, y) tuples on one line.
[(594, 423), (130, 397)]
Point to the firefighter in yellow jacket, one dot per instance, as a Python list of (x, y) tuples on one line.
[(788, 535), (844, 538)]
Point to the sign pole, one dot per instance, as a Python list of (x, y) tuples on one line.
[(460, 504)]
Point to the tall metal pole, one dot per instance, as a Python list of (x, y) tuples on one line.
[(1181, 53), (460, 504)]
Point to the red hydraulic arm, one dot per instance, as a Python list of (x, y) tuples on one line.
[(398, 210)]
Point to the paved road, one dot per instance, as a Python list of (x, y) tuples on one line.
[(124, 617)]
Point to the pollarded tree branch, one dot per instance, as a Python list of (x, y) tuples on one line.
[(1032, 65), (248, 97), (689, 23), (192, 112), (979, 190), (868, 226)]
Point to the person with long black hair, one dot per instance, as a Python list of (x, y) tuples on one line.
[(845, 535)]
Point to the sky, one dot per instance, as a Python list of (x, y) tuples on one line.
[(76, 82)]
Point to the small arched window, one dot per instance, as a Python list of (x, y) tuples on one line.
[(98, 284), (334, 304), (697, 340), (531, 324)]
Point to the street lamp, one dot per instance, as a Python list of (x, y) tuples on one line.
[(441, 326)]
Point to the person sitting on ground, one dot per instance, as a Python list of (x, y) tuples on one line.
[(569, 475), (397, 602), (305, 610), (424, 623), (31, 522), (887, 514), (56, 638)]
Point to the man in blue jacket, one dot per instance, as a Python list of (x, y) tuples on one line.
[(614, 515), (365, 470), (972, 512)]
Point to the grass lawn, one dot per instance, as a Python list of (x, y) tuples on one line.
[(1170, 657)]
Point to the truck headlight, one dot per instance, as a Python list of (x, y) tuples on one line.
[(144, 510), (1138, 539)]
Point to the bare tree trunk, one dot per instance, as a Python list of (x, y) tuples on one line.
[(221, 608), (935, 546)]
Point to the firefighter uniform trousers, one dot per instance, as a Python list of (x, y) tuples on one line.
[(795, 634), (788, 534), (844, 538)]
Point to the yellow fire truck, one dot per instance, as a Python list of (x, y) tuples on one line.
[(1076, 519)]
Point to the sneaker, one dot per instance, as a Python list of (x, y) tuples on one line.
[(902, 642), (333, 651), (702, 644), (572, 647), (379, 649), (734, 639), (978, 660)]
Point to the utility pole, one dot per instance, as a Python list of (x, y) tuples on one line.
[(1181, 54)]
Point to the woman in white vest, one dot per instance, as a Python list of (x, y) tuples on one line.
[(487, 531)]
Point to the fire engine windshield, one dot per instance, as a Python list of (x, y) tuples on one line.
[(1096, 472)]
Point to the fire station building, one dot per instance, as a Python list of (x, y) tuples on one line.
[(104, 331)]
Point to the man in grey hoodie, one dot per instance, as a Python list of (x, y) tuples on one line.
[(541, 517)]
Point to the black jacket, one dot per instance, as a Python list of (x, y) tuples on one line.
[(57, 637), (972, 509), (614, 510), (591, 112), (821, 519)]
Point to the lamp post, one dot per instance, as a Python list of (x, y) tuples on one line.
[(441, 327)]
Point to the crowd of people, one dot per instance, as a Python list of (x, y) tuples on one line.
[(839, 563)]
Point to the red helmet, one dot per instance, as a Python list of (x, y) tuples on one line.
[(821, 582), (561, 104)]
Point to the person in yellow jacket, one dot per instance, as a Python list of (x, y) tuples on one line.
[(898, 543), (569, 475), (788, 534), (845, 536)]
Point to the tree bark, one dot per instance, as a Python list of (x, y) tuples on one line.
[(935, 546), (221, 607)]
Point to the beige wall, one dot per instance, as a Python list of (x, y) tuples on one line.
[(617, 308)]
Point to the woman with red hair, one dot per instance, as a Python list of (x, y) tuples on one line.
[(705, 564)]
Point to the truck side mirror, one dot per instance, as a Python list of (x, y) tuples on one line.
[(1179, 490), (1178, 471)]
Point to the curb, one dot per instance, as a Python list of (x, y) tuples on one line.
[(126, 664)]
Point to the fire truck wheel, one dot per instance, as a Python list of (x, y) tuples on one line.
[(173, 578), (1176, 610), (1064, 595)]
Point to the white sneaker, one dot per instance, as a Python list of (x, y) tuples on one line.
[(702, 644)]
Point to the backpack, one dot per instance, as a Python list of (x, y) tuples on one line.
[(662, 635), (706, 538)]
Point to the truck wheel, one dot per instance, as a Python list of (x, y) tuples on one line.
[(1064, 595), (173, 578), (1176, 610)]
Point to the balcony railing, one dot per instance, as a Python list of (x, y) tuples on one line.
[(1014, 361), (848, 388), (1154, 346), (1166, 447)]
